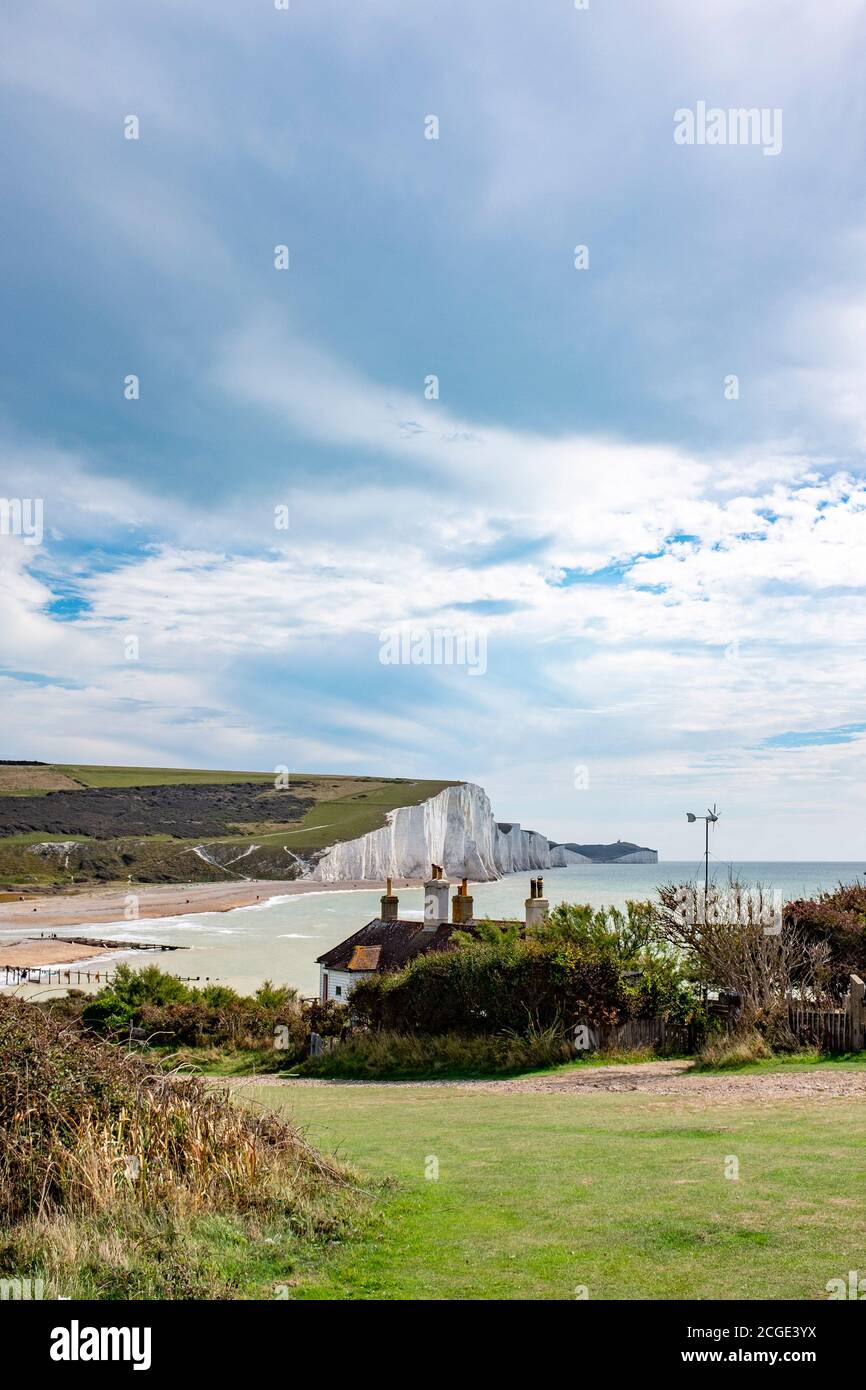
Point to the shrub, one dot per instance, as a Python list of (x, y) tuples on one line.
[(150, 985), (838, 921), (488, 988), (241, 1025), (723, 1050), (277, 998), (171, 1014), (103, 1127), (328, 1019), (108, 1014), (662, 992), (627, 936), (386, 1054)]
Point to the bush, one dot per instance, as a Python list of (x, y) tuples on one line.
[(838, 920), (108, 1015), (172, 1014), (150, 985), (723, 1050), (103, 1127), (488, 988), (662, 992), (386, 1054), (328, 1019)]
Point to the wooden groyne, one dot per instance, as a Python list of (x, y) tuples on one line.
[(49, 975), (111, 945)]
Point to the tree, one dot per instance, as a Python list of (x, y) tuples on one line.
[(731, 943)]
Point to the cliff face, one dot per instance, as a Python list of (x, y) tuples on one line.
[(455, 829)]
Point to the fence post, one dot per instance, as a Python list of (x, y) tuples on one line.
[(856, 1012)]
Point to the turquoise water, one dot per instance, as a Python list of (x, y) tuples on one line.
[(280, 939)]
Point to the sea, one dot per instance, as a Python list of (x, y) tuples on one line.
[(281, 938)]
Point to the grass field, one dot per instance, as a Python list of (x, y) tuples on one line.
[(539, 1194)]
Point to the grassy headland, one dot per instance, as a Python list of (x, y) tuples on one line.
[(110, 824)]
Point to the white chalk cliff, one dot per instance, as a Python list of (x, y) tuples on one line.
[(456, 829)]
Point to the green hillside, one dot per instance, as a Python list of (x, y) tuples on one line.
[(63, 823)]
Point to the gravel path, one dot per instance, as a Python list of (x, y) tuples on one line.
[(650, 1078)]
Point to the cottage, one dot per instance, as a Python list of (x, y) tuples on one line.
[(390, 941)]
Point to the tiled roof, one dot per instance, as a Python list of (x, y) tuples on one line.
[(396, 942), (393, 942), (365, 958)]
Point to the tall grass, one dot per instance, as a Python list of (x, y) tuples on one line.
[(96, 1145), (387, 1054), (722, 1051)]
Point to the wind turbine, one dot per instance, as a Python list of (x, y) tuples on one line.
[(709, 819)]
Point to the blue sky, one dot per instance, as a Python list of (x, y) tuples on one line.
[(668, 582)]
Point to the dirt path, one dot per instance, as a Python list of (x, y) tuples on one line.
[(650, 1078)]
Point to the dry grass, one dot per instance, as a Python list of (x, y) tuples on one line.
[(84, 1126), (17, 779), (733, 1050), (370, 1055), (120, 1180)]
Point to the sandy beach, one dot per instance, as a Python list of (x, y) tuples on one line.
[(24, 955), (114, 904)]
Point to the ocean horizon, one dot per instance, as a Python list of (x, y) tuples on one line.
[(280, 938)]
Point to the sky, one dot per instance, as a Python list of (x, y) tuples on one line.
[(622, 487)]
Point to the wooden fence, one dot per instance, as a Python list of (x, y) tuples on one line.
[(834, 1030), (649, 1032)]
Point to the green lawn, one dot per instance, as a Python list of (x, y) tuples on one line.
[(538, 1194)]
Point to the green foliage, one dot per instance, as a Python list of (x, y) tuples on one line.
[(627, 936), (385, 1054), (494, 933), (328, 1019), (171, 1013), (149, 985), (272, 996), (661, 991), (487, 988), (108, 1015)]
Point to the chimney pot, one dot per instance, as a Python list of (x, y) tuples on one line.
[(536, 905), (462, 906), (390, 906), (435, 899)]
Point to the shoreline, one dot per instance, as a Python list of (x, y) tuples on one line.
[(92, 906)]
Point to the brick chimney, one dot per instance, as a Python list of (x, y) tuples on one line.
[(537, 906), (435, 899), (390, 905), (461, 906)]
